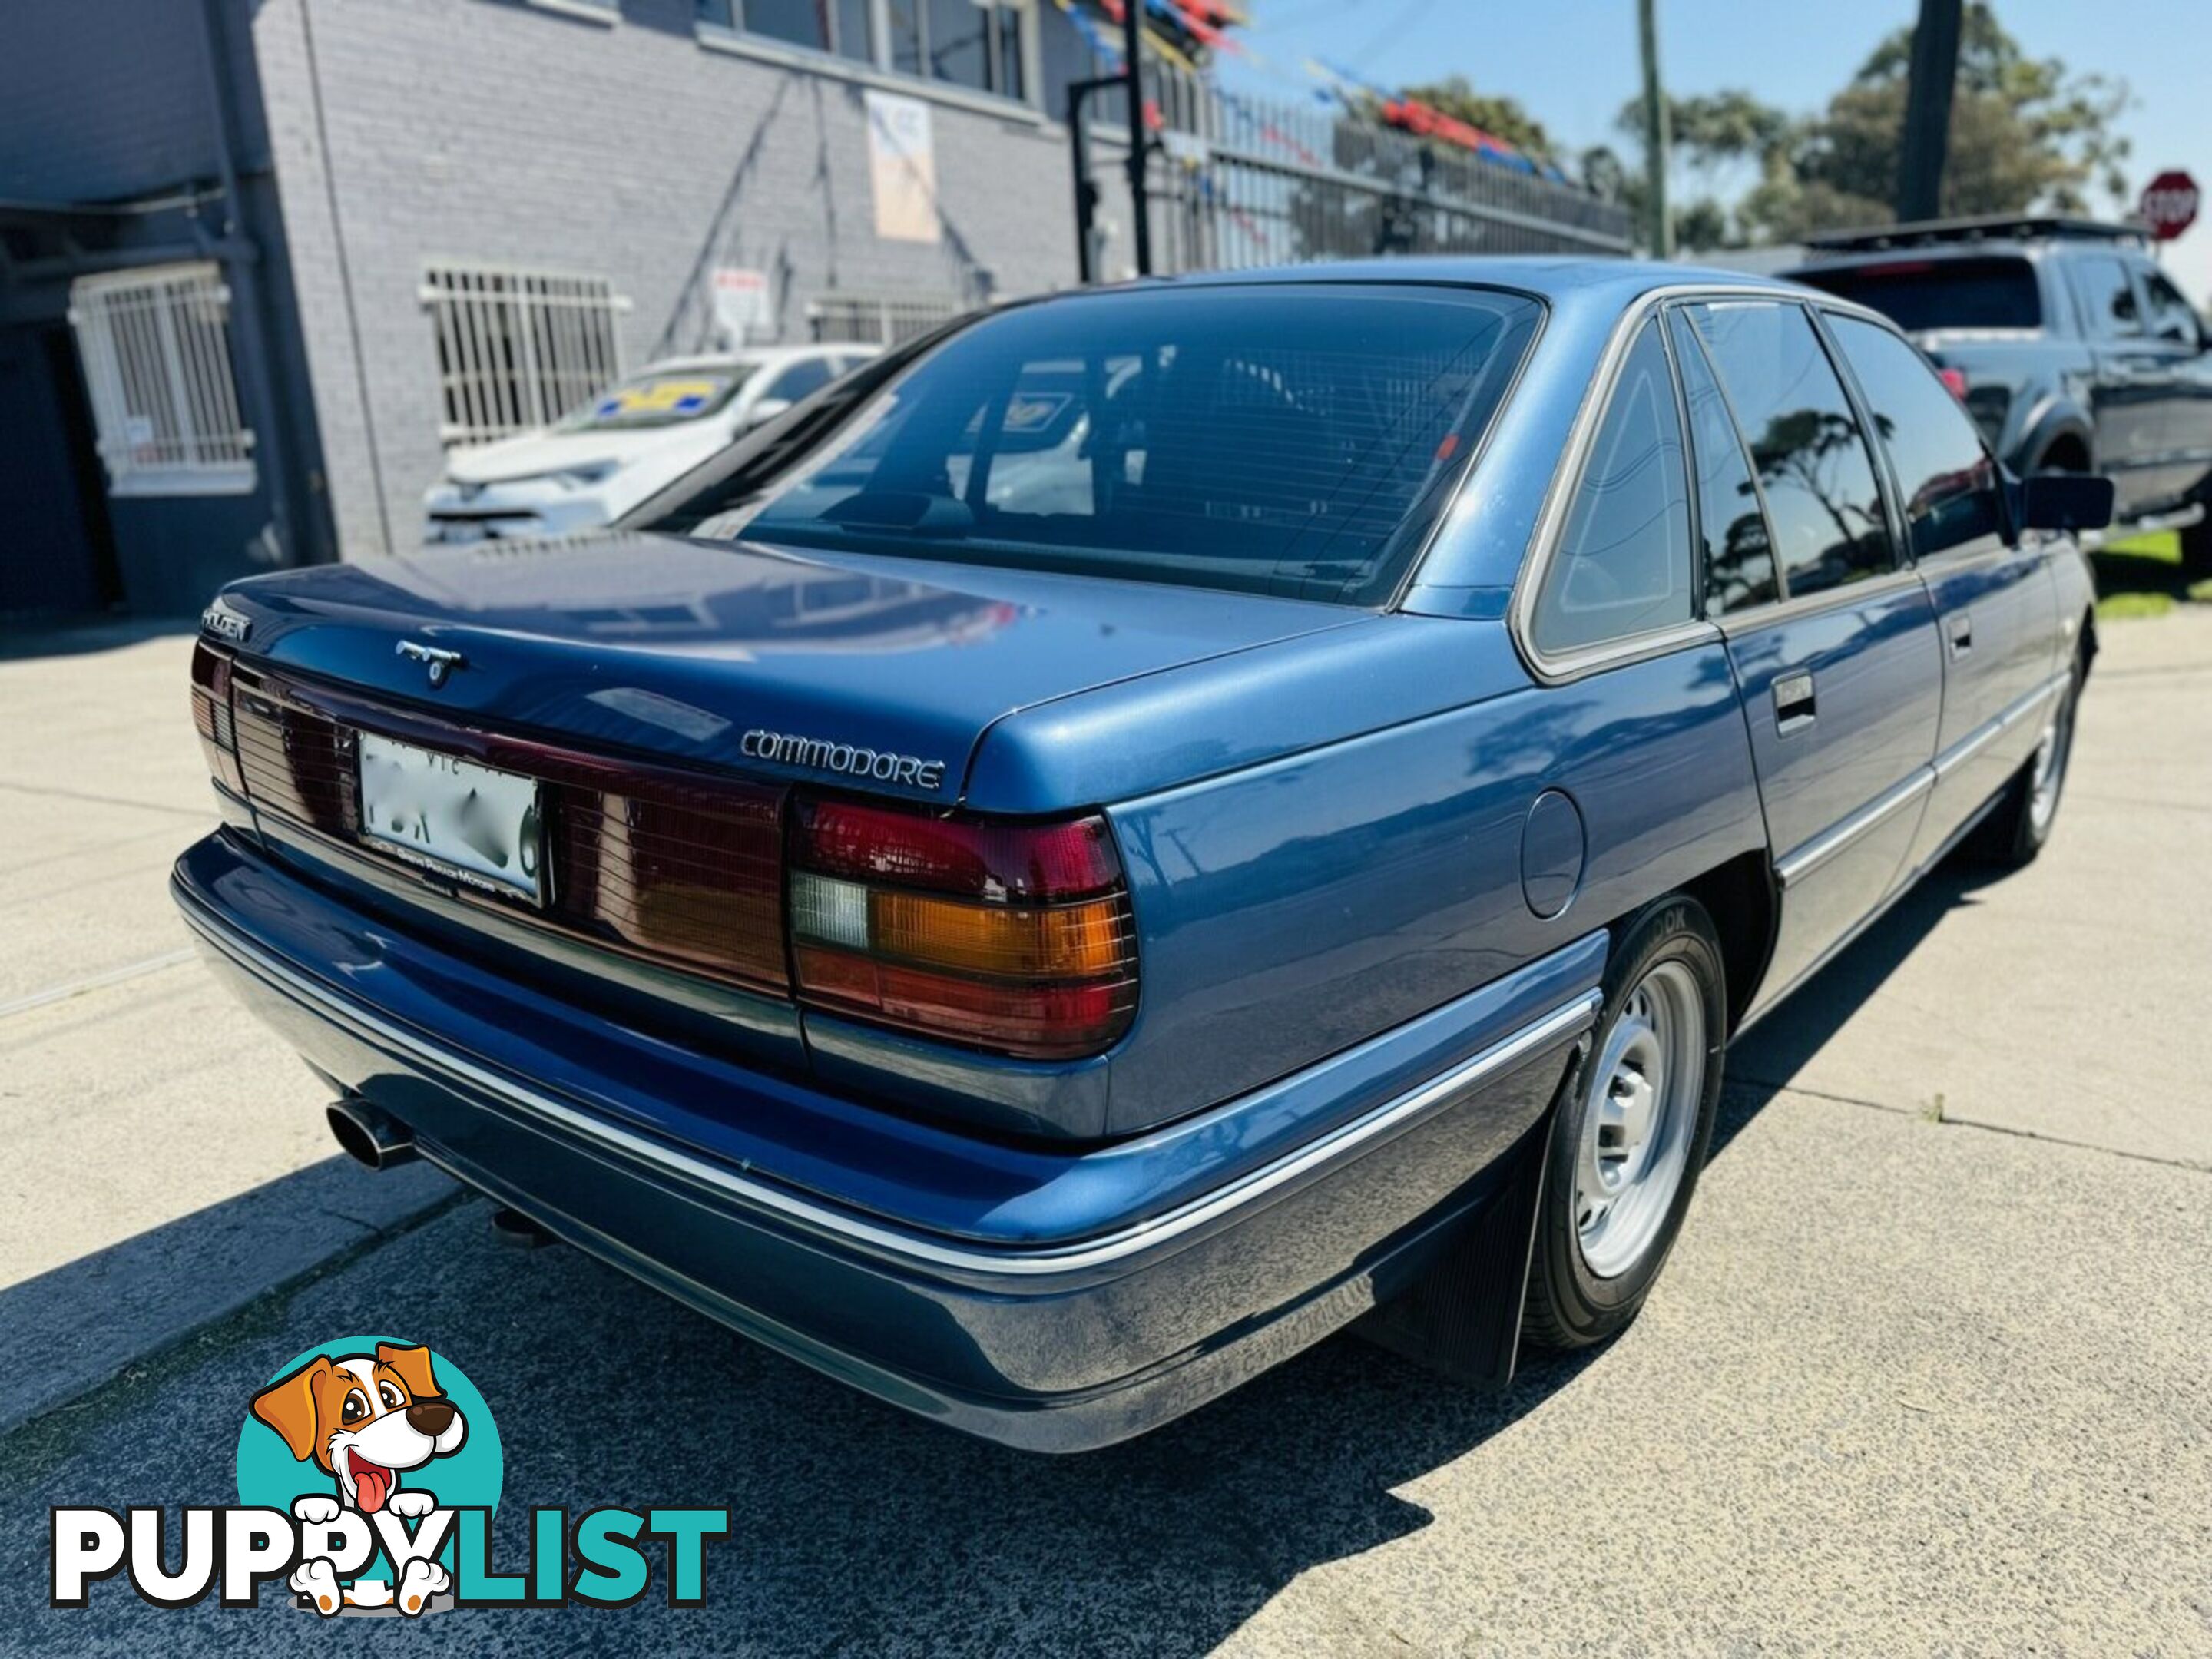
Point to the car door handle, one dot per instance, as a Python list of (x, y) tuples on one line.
[(1792, 703), (1959, 630)]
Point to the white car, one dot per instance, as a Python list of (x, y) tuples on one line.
[(595, 464)]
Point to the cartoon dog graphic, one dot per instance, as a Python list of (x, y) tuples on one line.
[(364, 1419)]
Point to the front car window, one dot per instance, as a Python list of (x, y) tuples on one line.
[(1813, 462), (2169, 314), (661, 398), (802, 379), (1622, 566), (2108, 298), (1949, 480), (1282, 438)]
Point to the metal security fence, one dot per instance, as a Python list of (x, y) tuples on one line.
[(156, 346), (517, 349), (886, 320), (1245, 181)]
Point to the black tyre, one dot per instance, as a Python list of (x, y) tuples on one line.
[(2020, 826), (2196, 548), (1629, 1134)]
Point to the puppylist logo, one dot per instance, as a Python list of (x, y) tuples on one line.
[(368, 1471)]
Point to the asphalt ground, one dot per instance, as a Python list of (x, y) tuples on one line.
[(1930, 1370)]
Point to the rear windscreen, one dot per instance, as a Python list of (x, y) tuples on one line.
[(1288, 439), (1929, 293)]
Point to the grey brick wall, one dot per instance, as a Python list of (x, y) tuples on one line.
[(494, 130)]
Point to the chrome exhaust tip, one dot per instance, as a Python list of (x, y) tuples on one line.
[(370, 1136)]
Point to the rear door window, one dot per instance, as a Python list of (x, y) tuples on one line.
[(1805, 442), (1622, 565), (1949, 480), (1948, 293), (1279, 437), (1731, 520)]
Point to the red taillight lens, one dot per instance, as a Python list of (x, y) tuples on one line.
[(211, 714), (1016, 937), (1955, 380), (958, 855)]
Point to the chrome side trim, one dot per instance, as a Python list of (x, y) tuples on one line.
[(1968, 746), (1810, 856), (1568, 1020), (1995, 726), (1801, 605)]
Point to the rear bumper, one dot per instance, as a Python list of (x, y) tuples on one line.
[(1055, 1299)]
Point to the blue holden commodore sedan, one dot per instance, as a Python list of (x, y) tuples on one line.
[(1151, 825)]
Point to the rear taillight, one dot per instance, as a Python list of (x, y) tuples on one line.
[(1955, 380), (1014, 937), (211, 714)]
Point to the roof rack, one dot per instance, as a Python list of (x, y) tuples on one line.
[(1994, 227)]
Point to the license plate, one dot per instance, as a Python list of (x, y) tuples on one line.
[(475, 823)]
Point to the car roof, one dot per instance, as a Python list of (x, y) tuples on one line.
[(1936, 253), (1547, 276)]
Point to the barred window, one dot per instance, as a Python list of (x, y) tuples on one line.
[(518, 349), (886, 320), (156, 346)]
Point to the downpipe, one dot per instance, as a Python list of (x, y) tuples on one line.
[(370, 1136)]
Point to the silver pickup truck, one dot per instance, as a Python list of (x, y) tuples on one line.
[(2069, 347)]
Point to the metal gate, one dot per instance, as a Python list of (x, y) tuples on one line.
[(1243, 181)]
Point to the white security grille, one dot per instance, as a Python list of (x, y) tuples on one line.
[(156, 346), (877, 319), (517, 349)]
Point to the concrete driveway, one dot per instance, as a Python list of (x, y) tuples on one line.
[(1930, 1372)]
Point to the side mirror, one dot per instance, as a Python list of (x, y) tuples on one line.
[(766, 410), (2065, 500)]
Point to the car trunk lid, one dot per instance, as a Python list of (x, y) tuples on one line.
[(739, 657)]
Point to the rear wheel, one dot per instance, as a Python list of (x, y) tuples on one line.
[(2017, 830), (2196, 548), (1629, 1134)]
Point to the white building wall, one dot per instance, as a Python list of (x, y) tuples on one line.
[(409, 131)]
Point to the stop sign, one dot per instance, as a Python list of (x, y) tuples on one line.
[(2169, 205)]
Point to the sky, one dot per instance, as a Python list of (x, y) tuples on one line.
[(1573, 62)]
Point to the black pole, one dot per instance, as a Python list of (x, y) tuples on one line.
[(1087, 194), (1132, 36), (1658, 133), (1086, 189), (1928, 111)]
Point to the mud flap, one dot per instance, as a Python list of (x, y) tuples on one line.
[(1461, 1318)]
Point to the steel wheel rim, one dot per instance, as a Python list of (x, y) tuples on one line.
[(2050, 774), (1639, 1107)]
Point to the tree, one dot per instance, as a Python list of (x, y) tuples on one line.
[(1500, 116), (2025, 134)]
